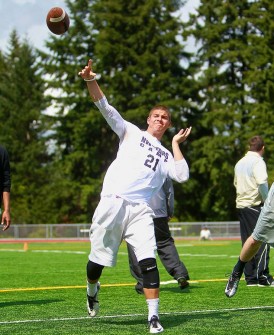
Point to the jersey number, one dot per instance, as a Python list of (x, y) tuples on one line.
[(150, 162)]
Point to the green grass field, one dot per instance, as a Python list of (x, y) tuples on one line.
[(42, 291)]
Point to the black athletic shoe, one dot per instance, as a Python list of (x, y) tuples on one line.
[(183, 283), (154, 325), (266, 282), (232, 284), (139, 288), (252, 282)]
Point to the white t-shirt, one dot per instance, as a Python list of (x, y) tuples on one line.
[(250, 172), (205, 234), (142, 163)]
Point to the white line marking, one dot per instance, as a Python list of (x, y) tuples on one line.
[(206, 311)]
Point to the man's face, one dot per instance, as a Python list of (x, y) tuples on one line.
[(158, 121)]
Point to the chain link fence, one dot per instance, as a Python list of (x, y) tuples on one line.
[(219, 230)]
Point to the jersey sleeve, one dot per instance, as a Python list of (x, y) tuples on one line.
[(112, 116), (179, 171), (260, 172)]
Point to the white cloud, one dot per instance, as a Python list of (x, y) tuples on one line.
[(23, 2)]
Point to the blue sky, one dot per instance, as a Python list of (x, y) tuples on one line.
[(28, 17)]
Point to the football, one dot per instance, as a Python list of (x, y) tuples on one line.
[(57, 20)]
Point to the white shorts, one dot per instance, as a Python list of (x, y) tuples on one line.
[(116, 219)]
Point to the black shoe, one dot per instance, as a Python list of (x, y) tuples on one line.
[(266, 282), (252, 283), (232, 284), (139, 288), (183, 283)]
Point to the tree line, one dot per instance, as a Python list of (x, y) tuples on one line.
[(59, 144)]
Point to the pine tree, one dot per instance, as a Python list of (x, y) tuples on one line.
[(23, 129), (135, 49), (236, 53)]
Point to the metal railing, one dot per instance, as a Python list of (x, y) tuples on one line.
[(226, 229)]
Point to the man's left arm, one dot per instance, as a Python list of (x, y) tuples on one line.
[(5, 188), (181, 166), (6, 220)]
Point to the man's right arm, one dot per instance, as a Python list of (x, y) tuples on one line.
[(113, 118), (90, 77)]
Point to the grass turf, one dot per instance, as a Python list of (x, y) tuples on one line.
[(42, 291)]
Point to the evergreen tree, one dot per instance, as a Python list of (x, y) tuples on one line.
[(23, 129), (136, 51), (236, 57)]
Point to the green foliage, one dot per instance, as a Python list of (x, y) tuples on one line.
[(224, 90), (236, 53), (23, 128), (135, 49)]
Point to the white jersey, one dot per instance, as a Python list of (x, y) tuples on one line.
[(142, 163)]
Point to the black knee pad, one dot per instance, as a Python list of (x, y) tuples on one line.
[(150, 273), (94, 270)]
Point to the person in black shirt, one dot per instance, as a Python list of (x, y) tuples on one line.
[(5, 185)]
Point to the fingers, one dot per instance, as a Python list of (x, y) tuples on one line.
[(5, 225), (182, 135), (87, 70), (188, 131), (185, 132)]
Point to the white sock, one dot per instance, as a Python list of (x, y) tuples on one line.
[(91, 289), (153, 306)]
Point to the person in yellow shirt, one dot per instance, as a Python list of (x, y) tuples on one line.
[(251, 182)]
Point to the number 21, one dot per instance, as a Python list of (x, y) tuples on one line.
[(149, 162)]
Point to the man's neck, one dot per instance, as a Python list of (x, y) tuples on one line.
[(155, 134)]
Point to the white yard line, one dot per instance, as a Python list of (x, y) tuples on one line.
[(205, 311)]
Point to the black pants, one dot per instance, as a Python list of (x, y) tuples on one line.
[(256, 270), (166, 250)]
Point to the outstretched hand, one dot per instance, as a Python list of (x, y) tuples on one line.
[(87, 73), (182, 135), (5, 220)]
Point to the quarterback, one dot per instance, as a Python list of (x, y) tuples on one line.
[(141, 166)]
